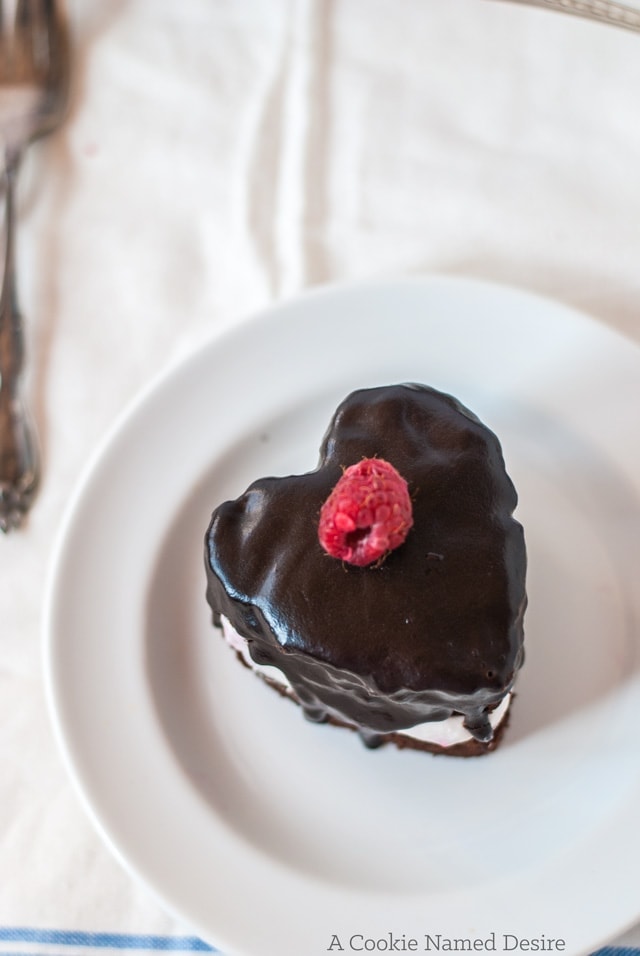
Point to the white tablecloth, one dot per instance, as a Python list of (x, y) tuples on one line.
[(219, 157)]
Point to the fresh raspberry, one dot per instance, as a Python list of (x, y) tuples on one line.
[(367, 514)]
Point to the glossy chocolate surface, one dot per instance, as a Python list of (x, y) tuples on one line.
[(437, 628)]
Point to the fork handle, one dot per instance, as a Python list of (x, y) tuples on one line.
[(18, 445), (626, 15)]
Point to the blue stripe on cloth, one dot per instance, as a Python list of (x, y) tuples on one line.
[(61, 937), (618, 951)]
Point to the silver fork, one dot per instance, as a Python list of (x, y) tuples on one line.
[(34, 87), (604, 11)]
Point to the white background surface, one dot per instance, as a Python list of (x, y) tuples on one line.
[(219, 157)]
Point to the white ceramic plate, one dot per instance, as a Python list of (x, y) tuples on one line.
[(270, 835)]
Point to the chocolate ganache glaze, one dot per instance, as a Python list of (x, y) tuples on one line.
[(434, 630)]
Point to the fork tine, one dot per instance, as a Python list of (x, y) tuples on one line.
[(30, 40), (57, 37), (4, 46), (55, 27), (22, 43), (41, 44)]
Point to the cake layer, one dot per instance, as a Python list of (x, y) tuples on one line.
[(444, 734)]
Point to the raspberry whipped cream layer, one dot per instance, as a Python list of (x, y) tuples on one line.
[(442, 733)]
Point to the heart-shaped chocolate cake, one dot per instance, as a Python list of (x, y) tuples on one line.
[(384, 591)]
